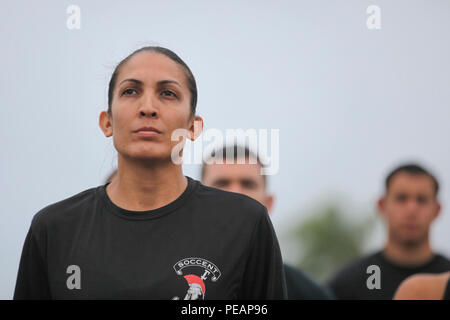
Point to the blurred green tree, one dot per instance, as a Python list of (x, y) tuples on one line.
[(327, 240)]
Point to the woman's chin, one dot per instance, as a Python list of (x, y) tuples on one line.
[(151, 155)]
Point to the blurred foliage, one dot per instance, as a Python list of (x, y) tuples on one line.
[(328, 240)]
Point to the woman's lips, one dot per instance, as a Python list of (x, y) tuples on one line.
[(147, 133)]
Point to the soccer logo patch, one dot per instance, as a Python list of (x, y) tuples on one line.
[(196, 271)]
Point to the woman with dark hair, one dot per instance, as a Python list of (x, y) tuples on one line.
[(151, 232)]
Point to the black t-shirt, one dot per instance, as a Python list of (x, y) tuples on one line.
[(301, 286), (207, 244), (351, 281), (447, 291)]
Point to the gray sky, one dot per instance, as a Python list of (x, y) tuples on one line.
[(350, 103)]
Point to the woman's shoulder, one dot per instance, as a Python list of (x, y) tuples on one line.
[(64, 208), (230, 201)]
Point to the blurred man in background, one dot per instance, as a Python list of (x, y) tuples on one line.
[(408, 207), (246, 178)]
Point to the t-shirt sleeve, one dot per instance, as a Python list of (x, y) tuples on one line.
[(32, 280), (264, 276)]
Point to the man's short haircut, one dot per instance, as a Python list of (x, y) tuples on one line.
[(413, 169), (238, 151)]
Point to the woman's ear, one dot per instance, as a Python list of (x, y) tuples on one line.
[(196, 128), (105, 123)]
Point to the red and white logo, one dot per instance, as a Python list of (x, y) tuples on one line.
[(196, 271)]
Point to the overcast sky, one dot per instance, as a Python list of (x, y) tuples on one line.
[(349, 102)]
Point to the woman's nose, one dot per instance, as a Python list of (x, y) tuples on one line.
[(152, 114), (148, 108)]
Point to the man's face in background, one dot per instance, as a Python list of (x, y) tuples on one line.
[(409, 207), (240, 178)]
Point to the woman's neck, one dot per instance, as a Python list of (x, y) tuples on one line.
[(139, 186)]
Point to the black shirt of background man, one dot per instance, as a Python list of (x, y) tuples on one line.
[(207, 244), (301, 286), (351, 281), (447, 291)]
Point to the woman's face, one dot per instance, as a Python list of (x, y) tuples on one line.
[(151, 90)]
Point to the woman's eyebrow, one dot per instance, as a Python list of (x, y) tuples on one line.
[(163, 82), (132, 80), (160, 83)]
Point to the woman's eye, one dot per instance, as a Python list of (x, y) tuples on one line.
[(168, 93), (129, 92)]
